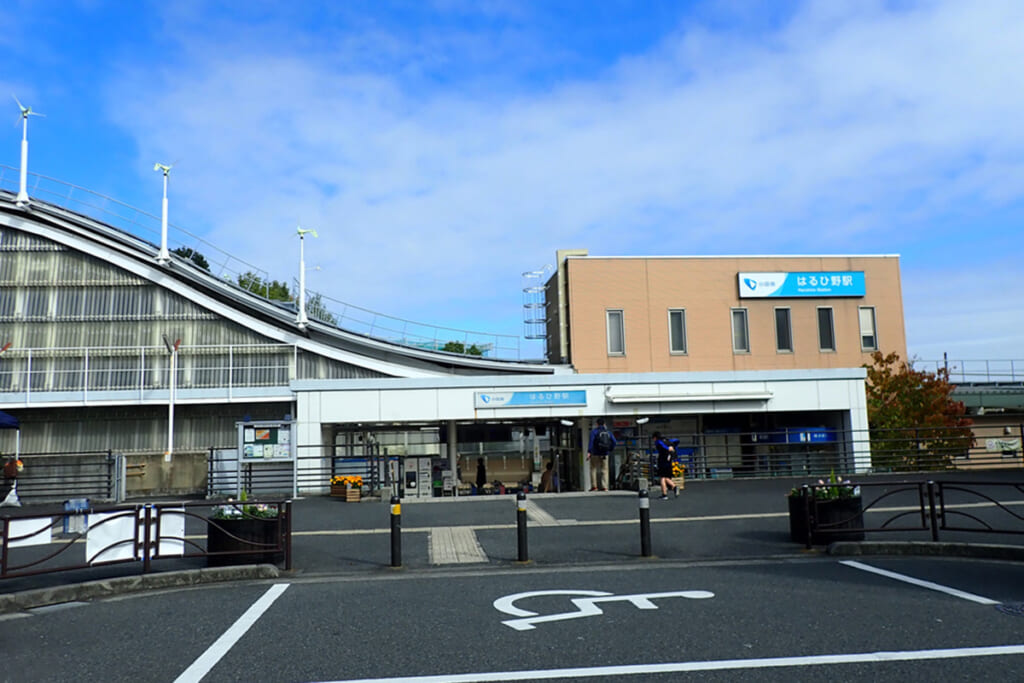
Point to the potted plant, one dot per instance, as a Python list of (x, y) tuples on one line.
[(243, 526), (678, 473), (833, 505), (348, 486)]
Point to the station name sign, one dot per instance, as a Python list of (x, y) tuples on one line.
[(526, 399), (811, 284)]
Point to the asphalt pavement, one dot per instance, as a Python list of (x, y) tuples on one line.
[(711, 520)]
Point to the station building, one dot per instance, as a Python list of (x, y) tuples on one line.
[(755, 363)]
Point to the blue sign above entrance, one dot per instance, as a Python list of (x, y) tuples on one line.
[(525, 399), (790, 285)]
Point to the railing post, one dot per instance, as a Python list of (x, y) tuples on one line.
[(931, 511), (288, 535), (396, 532), (146, 519), (4, 546), (524, 556), (644, 502)]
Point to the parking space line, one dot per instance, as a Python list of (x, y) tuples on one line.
[(719, 665), (220, 647), (918, 582)]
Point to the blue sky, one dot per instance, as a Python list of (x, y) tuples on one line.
[(443, 148)]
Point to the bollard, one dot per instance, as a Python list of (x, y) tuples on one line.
[(396, 532), (288, 535), (524, 556), (645, 524), (806, 491)]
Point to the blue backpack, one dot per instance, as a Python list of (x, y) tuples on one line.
[(603, 442)]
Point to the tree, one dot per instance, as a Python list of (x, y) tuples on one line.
[(459, 347), (271, 289), (315, 308), (193, 256), (914, 422)]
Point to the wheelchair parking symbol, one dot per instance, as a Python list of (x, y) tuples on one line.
[(586, 606)]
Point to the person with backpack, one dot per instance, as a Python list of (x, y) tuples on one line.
[(602, 443), (666, 451)]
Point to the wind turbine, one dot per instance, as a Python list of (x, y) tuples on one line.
[(302, 321), (163, 256), (22, 199)]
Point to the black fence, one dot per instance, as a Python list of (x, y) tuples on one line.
[(35, 542), (55, 477), (849, 511)]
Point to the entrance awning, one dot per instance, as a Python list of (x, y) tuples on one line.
[(8, 421)]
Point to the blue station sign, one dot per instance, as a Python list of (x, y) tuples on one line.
[(811, 284), (526, 399)]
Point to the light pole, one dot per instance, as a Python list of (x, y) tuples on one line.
[(164, 256), (301, 320), (172, 348)]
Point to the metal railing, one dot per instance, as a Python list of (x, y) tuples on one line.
[(55, 477), (64, 196), (35, 543), (826, 512), (995, 371)]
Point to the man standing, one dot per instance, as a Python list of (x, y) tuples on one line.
[(602, 442)]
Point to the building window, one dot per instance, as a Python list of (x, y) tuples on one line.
[(826, 331), (868, 338), (783, 330), (616, 333), (677, 330), (740, 338)]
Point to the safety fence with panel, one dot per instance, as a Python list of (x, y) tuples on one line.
[(177, 535)]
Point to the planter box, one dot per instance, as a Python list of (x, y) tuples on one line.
[(843, 513), (679, 482), (227, 535), (350, 494)]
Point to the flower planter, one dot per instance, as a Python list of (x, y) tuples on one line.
[(680, 482), (228, 535), (351, 494), (841, 513)]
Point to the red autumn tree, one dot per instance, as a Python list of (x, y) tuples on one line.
[(914, 421)]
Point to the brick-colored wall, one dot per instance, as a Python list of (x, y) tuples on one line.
[(646, 288)]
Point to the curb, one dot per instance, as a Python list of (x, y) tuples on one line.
[(90, 590), (925, 548)]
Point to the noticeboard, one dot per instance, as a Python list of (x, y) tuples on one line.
[(266, 441)]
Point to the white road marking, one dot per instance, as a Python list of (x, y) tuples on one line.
[(538, 516), (220, 647), (455, 545), (585, 607), (719, 665), (918, 582)]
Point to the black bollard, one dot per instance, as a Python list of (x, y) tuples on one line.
[(524, 556), (396, 532), (645, 524)]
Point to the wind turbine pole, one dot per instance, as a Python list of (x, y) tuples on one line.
[(22, 199), (164, 256)]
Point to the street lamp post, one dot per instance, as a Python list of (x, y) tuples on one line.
[(164, 256), (172, 348), (302, 320)]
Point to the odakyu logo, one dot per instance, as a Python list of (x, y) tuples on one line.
[(485, 398), (751, 284)]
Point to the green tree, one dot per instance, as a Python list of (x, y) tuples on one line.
[(193, 256), (915, 424), (459, 347), (271, 289), (315, 308)]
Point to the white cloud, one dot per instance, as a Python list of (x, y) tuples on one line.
[(851, 130)]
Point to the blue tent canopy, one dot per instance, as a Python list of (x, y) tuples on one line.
[(8, 421)]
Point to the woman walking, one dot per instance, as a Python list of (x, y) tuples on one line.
[(665, 453)]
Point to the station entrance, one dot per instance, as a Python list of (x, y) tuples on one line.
[(417, 461)]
